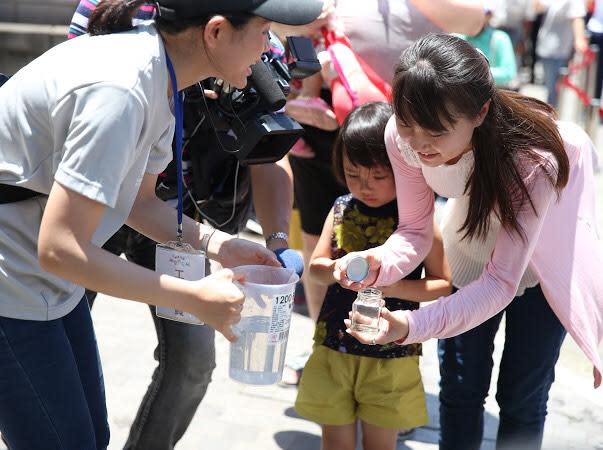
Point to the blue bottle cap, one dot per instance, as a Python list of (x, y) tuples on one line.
[(358, 269)]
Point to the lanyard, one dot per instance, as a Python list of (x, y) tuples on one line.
[(178, 106)]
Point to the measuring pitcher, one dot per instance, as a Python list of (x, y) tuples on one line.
[(258, 355)]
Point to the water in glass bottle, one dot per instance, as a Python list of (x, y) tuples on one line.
[(366, 311)]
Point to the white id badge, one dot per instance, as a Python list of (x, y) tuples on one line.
[(181, 261)]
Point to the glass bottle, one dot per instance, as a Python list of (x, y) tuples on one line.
[(366, 311)]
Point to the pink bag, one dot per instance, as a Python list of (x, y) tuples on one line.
[(350, 92)]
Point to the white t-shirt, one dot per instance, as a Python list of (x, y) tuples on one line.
[(556, 35), (381, 31), (511, 13), (595, 23), (93, 114)]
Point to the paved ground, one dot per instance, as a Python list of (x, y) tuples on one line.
[(238, 417)]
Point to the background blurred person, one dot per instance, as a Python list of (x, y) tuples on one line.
[(561, 33), (498, 48), (595, 28)]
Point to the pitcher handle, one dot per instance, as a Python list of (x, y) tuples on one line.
[(236, 328)]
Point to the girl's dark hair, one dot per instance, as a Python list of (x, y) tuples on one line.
[(360, 138), (115, 16), (442, 78)]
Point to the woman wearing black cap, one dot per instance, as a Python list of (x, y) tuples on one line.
[(79, 153)]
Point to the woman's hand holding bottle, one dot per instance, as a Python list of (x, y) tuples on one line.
[(341, 266), (393, 327)]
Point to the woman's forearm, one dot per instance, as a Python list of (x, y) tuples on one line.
[(272, 188), (162, 225), (90, 266), (65, 249), (409, 245), (497, 286), (157, 220)]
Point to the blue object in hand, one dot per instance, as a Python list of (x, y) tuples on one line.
[(290, 259), (358, 269)]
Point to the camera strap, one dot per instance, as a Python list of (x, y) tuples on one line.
[(178, 113)]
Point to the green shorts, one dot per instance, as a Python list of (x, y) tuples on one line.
[(337, 388)]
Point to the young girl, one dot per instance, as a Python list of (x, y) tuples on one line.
[(520, 232), (345, 381)]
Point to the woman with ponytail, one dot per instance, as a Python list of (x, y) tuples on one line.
[(519, 231), (80, 150)]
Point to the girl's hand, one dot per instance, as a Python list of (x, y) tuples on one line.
[(238, 252), (219, 302), (393, 326), (341, 265)]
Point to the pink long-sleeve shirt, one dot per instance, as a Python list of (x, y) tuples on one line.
[(561, 247)]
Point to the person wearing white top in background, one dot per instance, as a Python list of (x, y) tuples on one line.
[(595, 28), (561, 33)]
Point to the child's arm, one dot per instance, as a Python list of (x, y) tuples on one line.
[(437, 281), (321, 264)]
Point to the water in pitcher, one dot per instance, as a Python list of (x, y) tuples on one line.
[(258, 356)]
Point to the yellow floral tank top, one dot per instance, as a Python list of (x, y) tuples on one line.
[(357, 227)]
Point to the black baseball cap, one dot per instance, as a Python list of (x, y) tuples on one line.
[(289, 12)]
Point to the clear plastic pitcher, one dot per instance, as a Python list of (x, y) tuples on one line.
[(258, 355)]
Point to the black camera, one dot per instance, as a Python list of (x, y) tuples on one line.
[(224, 136), (249, 123)]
